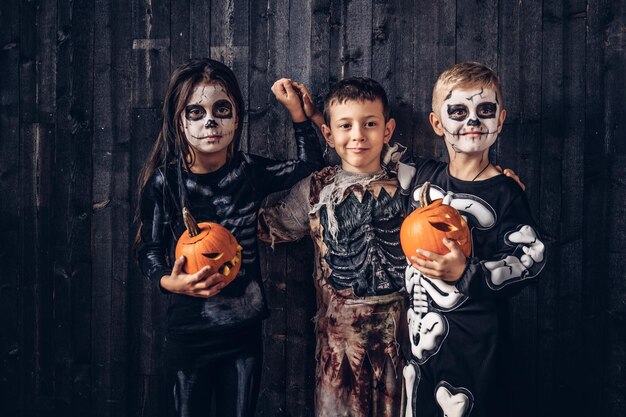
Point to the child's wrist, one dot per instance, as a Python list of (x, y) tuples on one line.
[(298, 116)]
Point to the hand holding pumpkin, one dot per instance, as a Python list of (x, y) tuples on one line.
[(204, 283), (448, 267)]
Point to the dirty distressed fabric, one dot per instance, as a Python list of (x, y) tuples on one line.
[(359, 278)]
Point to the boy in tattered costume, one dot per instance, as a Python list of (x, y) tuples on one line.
[(353, 213)]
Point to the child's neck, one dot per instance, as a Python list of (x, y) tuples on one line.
[(471, 167), (205, 164)]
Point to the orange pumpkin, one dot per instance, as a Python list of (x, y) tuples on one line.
[(427, 226), (208, 244)]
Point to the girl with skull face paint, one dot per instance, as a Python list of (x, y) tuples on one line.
[(213, 338)]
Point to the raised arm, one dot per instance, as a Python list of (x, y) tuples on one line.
[(272, 176)]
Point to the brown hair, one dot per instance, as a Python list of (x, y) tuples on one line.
[(171, 141), (356, 89), (465, 75)]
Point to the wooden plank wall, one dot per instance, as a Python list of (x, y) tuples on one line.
[(81, 85)]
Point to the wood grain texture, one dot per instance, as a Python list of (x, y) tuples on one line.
[(80, 97)]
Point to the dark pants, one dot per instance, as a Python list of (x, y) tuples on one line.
[(231, 381)]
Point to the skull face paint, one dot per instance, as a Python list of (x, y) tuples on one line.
[(471, 119), (209, 119)]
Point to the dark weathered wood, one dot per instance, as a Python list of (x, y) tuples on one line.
[(269, 134), (151, 51), (111, 212), (433, 51), (37, 353), (72, 207), (550, 205), (477, 28), (615, 311), (230, 44), (12, 377), (356, 42), (80, 96), (149, 394)]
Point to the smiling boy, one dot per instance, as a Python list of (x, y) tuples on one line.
[(454, 326), (353, 213)]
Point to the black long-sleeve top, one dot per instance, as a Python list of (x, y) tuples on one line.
[(230, 196)]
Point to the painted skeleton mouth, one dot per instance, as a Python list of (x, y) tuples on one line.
[(210, 137)]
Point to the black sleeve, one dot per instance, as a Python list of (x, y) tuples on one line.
[(519, 258), (272, 176), (155, 234)]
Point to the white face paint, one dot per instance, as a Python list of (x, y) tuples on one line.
[(470, 119), (209, 119)]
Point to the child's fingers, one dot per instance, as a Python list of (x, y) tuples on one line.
[(177, 269), (429, 272), (279, 87), (200, 275), (210, 286), (430, 255)]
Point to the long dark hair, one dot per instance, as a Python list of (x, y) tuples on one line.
[(171, 145)]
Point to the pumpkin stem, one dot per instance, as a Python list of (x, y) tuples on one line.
[(190, 223), (424, 197)]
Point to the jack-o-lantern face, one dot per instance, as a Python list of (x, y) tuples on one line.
[(426, 227), (213, 246)]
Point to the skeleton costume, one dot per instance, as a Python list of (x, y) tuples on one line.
[(215, 333), (454, 340), (354, 220)]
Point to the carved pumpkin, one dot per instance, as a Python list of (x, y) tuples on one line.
[(208, 244), (427, 226)]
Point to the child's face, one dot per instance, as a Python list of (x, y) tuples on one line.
[(209, 120), (357, 131), (469, 119)]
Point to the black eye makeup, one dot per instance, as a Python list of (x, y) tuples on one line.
[(222, 109), (194, 112), (457, 112), (486, 110)]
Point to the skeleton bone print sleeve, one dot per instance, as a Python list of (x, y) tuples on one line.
[(455, 329), (507, 251)]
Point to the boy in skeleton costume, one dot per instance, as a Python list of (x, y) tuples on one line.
[(453, 320), (353, 213)]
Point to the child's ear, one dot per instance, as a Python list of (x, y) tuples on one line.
[(501, 119), (328, 135), (390, 126), (436, 123)]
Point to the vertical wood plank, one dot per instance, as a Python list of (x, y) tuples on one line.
[(111, 212), (300, 299), (151, 50), (356, 42), (550, 204), (519, 148), (615, 310), (433, 52), (596, 259), (477, 28), (149, 389), (269, 133), (37, 293), (230, 44), (72, 208), (182, 35), (12, 354)]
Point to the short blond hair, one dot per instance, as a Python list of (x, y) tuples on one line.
[(465, 75)]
